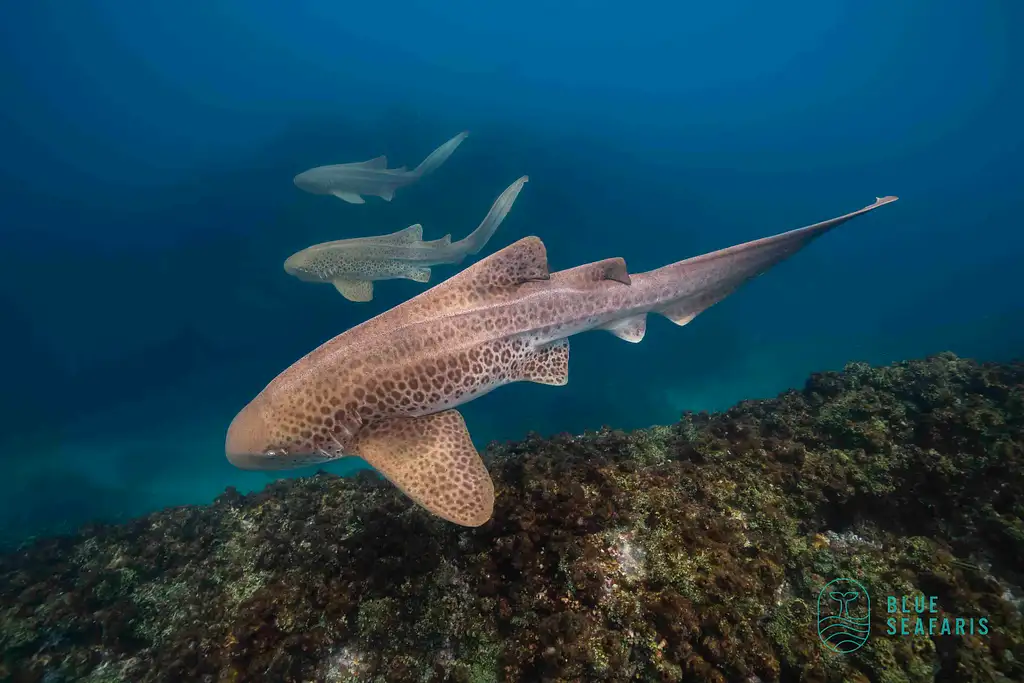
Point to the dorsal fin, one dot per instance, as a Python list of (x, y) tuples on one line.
[(494, 277), (376, 162), (441, 242), (607, 269), (414, 233), (517, 263)]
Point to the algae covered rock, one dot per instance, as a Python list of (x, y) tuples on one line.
[(712, 550)]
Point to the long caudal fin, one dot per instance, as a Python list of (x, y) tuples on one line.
[(477, 240), (702, 281), (439, 155)]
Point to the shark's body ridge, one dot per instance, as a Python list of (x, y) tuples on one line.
[(353, 265), (349, 182), (386, 390)]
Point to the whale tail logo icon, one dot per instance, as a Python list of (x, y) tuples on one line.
[(844, 615)]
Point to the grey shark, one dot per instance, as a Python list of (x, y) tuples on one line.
[(353, 265), (349, 182), (387, 390)]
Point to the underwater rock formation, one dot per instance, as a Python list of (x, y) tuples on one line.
[(694, 552)]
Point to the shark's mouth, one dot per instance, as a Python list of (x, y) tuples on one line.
[(278, 460)]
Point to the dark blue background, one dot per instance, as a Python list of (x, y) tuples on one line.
[(147, 150)]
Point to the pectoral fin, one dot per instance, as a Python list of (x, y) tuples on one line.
[(432, 460), (355, 290), (350, 197)]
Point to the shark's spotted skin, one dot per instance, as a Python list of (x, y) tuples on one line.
[(433, 461), (353, 265), (385, 389), (546, 365)]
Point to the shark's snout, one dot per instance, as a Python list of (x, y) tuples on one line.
[(248, 442), (304, 181), (298, 265)]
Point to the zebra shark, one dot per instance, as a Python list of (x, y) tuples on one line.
[(348, 182), (387, 390), (353, 265)]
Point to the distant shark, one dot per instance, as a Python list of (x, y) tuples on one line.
[(353, 265), (386, 390), (373, 177)]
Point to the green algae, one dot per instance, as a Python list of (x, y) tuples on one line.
[(686, 553)]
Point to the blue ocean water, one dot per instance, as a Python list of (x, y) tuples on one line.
[(147, 151)]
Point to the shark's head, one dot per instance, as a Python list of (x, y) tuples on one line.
[(309, 181), (281, 430), (303, 265)]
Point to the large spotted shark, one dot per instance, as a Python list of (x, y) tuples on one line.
[(387, 389), (350, 181), (353, 265)]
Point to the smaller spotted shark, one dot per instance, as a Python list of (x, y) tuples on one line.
[(387, 389), (353, 265), (349, 181)]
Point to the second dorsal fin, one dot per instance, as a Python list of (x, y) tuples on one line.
[(608, 269), (442, 242)]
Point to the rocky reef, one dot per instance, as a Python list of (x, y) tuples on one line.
[(695, 552)]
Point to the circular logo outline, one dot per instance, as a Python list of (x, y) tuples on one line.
[(842, 633)]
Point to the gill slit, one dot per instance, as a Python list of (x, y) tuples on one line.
[(341, 448)]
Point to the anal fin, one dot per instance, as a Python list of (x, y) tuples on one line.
[(432, 460), (607, 269), (354, 290), (685, 310), (350, 197), (628, 329), (547, 365)]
